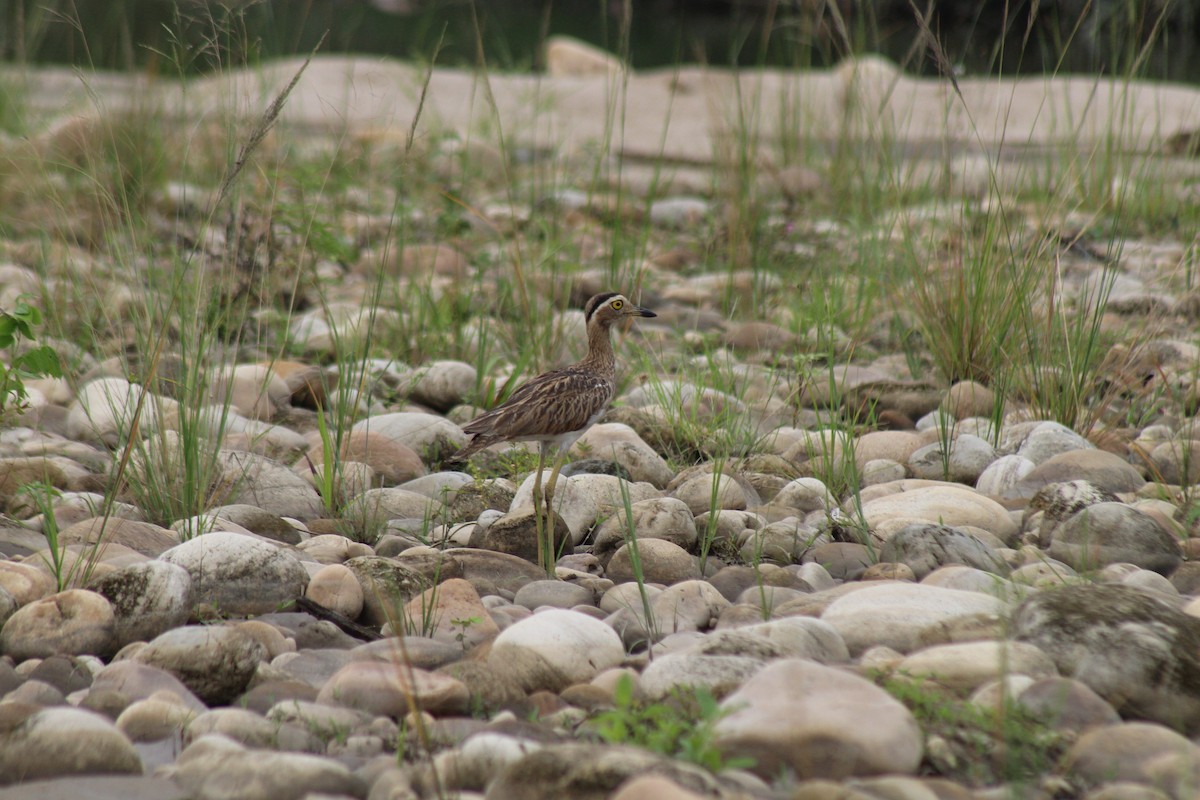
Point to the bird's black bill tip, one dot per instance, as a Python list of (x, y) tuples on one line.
[(645, 312)]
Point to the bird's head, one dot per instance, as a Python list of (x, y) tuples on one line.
[(608, 307)]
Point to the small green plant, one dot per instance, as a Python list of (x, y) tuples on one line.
[(512, 462), (415, 622), (425, 622), (1072, 338), (683, 727), (764, 601), (327, 476), (635, 563), (979, 744), (463, 624), (705, 414), (43, 495), (714, 509), (973, 302), (328, 731), (35, 362), (946, 426)]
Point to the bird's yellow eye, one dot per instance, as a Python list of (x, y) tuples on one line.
[(616, 304)]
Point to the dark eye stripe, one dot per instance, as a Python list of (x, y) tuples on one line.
[(595, 303)]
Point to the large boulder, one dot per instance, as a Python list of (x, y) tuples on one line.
[(1138, 653)]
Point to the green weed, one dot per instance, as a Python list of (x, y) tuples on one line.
[(464, 625), (42, 496), (26, 360), (976, 744), (682, 727), (635, 564)]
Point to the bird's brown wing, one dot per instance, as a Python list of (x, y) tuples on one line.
[(553, 403)]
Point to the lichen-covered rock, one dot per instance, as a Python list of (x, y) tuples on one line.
[(1139, 654), (1114, 533), (147, 599), (252, 479), (431, 437), (620, 444), (216, 662), (516, 534), (1100, 467), (925, 547), (386, 587), (657, 518), (232, 573), (720, 674)]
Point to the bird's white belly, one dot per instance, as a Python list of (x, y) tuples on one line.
[(563, 441)]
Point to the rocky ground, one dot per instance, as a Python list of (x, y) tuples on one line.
[(848, 576)]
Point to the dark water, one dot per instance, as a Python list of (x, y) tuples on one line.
[(978, 36)]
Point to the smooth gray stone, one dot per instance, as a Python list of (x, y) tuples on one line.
[(96, 787)]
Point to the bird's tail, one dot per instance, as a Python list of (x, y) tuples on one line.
[(472, 447)]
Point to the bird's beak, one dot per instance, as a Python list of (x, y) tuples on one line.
[(638, 311)]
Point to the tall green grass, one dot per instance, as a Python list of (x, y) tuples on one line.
[(884, 256), (974, 294)]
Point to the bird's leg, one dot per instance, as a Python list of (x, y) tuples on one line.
[(559, 458), (539, 523)]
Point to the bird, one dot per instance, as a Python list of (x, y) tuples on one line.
[(555, 408)]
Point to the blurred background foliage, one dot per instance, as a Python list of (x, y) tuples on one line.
[(980, 36)]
